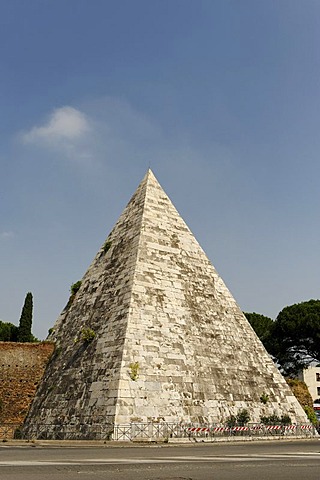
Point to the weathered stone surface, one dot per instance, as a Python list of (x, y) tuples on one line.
[(21, 369), (170, 341)]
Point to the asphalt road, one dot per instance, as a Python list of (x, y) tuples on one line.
[(245, 461)]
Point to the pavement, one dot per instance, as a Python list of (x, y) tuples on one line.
[(53, 460)]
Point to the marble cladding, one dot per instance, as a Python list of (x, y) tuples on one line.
[(171, 344)]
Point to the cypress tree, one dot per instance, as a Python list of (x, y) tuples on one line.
[(25, 324)]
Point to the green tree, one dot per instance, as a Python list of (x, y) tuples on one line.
[(25, 323), (8, 332), (263, 326), (296, 336)]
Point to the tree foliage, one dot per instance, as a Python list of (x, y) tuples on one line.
[(25, 323), (8, 332), (296, 336), (262, 326)]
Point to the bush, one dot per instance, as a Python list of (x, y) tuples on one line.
[(240, 419), (311, 415), (107, 246), (134, 370), (231, 421), (285, 420), (276, 420), (75, 287), (87, 334), (243, 417), (264, 398), (270, 420)]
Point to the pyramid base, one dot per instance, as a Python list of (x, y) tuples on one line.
[(166, 432)]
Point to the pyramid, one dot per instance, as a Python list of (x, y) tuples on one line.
[(154, 335)]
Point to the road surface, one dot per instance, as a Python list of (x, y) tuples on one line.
[(259, 461)]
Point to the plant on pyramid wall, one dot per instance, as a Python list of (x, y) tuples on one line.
[(264, 398), (73, 291), (75, 287), (87, 334), (107, 246), (134, 371), (276, 420), (241, 418)]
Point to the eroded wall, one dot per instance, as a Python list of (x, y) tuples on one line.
[(21, 368)]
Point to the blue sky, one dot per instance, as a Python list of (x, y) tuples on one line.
[(220, 98)]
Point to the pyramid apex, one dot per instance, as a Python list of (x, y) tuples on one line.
[(150, 177), (150, 174)]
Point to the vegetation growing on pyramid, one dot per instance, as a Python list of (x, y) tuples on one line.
[(73, 291), (134, 370), (75, 287), (276, 420), (264, 398), (87, 334), (241, 419), (107, 246)]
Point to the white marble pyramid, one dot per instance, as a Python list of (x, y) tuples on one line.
[(154, 335)]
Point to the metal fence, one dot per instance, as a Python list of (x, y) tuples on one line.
[(151, 431), (166, 431)]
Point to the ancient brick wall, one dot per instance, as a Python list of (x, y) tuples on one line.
[(21, 368)]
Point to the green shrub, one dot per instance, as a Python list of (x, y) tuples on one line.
[(87, 334), (241, 418), (270, 420), (75, 287), (264, 398), (231, 421), (107, 246), (134, 370), (285, 420), (276, 420), (311, 415)]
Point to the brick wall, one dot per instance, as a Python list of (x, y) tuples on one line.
[(21, 368)]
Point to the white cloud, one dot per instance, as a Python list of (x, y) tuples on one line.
[(106, 132), (65, 123)]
